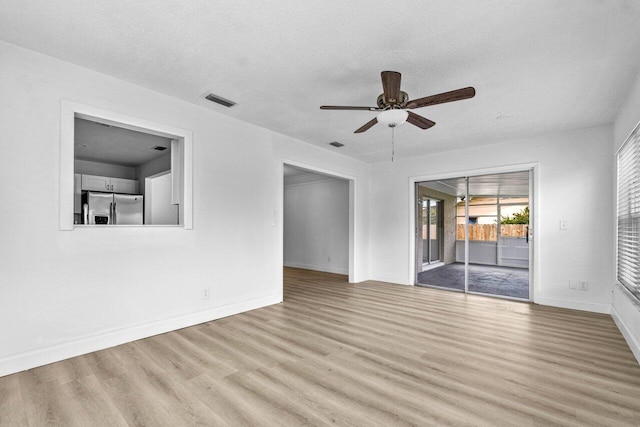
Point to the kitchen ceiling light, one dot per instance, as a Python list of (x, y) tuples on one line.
[(393, 117)]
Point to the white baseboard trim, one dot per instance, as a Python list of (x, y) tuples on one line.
[(633, 343), (574, 305), (45, 355), (389, 279), (317, 267)]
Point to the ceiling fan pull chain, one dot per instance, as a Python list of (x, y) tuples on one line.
[(393, 143)]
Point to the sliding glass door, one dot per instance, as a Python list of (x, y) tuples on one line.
[(488, 221)]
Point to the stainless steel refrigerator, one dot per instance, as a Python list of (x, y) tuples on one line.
[(111, 208)]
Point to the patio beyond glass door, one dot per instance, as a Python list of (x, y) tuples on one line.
[(431, 231), (513, 235), (483, 241)]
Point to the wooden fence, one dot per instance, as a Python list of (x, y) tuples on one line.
[(489, 232), (434, 229)]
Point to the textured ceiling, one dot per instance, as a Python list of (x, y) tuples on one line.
[(296, 175), (538, 66), (111, 144)]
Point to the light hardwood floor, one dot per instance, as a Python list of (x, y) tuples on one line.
[(334, 353)]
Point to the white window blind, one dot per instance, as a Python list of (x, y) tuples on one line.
[(629, 214)]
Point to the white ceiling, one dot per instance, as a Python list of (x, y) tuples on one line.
[(538, 66), (296, 175), (111, 144)]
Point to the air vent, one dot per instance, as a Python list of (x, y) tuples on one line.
[(159, 148), (219, 100), (336, 144)]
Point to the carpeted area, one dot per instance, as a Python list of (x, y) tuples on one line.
[(495, 280)]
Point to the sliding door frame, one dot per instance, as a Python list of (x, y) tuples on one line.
[(534, 247)]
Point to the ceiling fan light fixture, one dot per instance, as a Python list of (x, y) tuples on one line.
[(393, 117)]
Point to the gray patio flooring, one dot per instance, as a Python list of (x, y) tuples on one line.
[(487, 279)]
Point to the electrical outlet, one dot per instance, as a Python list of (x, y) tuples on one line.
[(583, 286), (205, 293), (328, 259), (573, 284)]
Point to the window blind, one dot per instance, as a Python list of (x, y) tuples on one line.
[(628, 259)]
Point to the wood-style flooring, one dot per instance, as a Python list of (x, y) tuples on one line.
[(339, 354)]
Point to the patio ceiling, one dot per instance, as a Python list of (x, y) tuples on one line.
[(503, 184)]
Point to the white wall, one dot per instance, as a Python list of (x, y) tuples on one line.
[(625, 309), (65, 293), (104, 169), (316, 225), (574, 182)]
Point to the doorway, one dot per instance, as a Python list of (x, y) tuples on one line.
[(318, 220), (488, 221)]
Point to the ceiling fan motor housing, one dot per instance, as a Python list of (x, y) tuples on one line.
[(384, 104)]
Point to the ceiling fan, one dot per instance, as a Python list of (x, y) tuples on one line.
[(394, 103)]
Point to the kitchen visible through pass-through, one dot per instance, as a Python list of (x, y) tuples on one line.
[(124, 176)]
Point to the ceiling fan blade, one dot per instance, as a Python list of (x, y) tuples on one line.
[(421, 122), (367, 125), (441, 98), (391, 86), (339, 107)]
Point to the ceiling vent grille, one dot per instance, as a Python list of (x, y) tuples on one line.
[(220, 100), (336, 144)]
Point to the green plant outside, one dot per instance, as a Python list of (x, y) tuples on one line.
[(521, 217)]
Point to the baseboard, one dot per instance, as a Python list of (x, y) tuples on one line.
[(633, 343), (574, 305), (382, 277), (45, 355), (317, 267)]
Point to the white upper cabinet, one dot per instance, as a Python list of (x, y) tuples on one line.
[(125, 186), (104, 183), (96, 183)]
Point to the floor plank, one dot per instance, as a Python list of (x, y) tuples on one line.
[(335, 353)]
